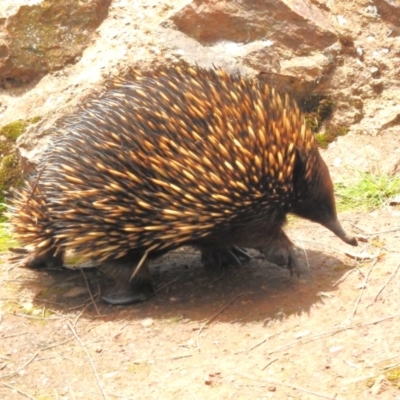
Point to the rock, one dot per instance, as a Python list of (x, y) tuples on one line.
[(389, 10), (46, 36), (296, 24)]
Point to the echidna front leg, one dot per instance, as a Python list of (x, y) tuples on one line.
[(126, 290), (279, 250), (216, 257)]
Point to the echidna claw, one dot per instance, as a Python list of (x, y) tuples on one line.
[(120, 300), (232, 259), (216, 257), (283, 256), (238, 251)]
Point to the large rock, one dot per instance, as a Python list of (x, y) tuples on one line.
[(284, 39), (45, 36), (296, 24)]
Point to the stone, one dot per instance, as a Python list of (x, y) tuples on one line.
[(45, 36), (295, 23)]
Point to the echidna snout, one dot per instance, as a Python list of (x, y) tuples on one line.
[(319, 201), (334, 226)]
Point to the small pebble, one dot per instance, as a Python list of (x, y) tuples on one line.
[(147, 322)]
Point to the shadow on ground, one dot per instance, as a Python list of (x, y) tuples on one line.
[(259, 291)]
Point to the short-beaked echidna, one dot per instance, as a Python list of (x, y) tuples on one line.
[(177, 156)]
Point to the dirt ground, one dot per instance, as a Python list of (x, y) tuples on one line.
[(247, 333)]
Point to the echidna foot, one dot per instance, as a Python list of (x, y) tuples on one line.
[(282, 254), (132, 295), (216, 257), (128, 289)]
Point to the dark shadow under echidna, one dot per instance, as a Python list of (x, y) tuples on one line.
[(178, 156)]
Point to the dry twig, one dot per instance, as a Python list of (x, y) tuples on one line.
[(385, 284), (161, 359), (215, 315), (90, 292), (268, 364), (331, 332), (71, 327), (344, 277), (19, 391), (298, 388), (166, 284), (14, 335), (363, 287), (19, 369)]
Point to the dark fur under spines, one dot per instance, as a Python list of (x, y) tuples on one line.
[(177, 156)]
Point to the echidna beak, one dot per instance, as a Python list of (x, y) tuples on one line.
[(337, 229)]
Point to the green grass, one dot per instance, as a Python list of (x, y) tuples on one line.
[(367, 192), (6, 240)]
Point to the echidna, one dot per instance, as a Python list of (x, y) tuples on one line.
[(179, 156)]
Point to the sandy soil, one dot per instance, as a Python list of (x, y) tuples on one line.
[(247, 333)]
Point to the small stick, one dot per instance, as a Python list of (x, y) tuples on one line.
[(344, 277), (331, 332), (263, 341), (268, 364), (19, 369), (305, 252), (89, 358), (215, 315), (385, 284), (363, 287), (161, 359), (257, 344), (218, 278), (375, 233), (90, 292), (19, 391), (15, 334), (56, 344), (41, 318), (300, 389), (162, 286), (85, 304)]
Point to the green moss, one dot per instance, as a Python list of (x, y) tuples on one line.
[(6, 239), (10, 175), (329, 135), (34, 120), (14, 129), (10, 171), (393, 375), (317, 111)]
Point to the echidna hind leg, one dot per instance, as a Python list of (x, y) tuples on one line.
[(279, 250), (126, 290), (42, 260), (213, 257)]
